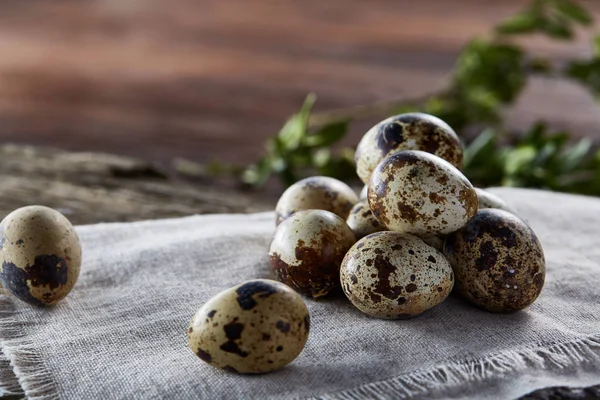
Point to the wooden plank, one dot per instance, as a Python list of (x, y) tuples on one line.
[(95, 187), (211, 80)]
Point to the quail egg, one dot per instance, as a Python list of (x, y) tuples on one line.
[(498, 261), (363, 193), (40, 255), (395, 275), (361, 220), (318, 193), (307, 250), (413, 131), (255, 327), (437, 242), (490, 200), (419, 193)]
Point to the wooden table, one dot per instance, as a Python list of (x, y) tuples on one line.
[(212, 79)]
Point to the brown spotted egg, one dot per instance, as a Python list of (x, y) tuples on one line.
[(361, 220), (255, 327), (490, 200), (318, 193), (498, 261), (40, 255), (395, 275), (419, 193), (307, 250), (413, 131)]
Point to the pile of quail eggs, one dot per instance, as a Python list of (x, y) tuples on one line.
[(418, 230)]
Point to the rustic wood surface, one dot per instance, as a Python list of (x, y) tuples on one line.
[(212, 79), (95, 187)]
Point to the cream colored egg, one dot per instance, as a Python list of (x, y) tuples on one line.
[(40, 255), (437, 242), (363, 193), (419, 193), (413, 131), (393, 275), (490, 200), (316, 193), (307, 250), (361, 220), (498, 261), (255, 327)]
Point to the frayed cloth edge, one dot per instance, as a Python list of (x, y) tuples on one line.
[(31, 378), (455, 374), (9, 384)]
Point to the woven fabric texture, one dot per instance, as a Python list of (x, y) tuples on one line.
[(121, 333)]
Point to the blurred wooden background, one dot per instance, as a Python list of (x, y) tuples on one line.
[(212, 79)]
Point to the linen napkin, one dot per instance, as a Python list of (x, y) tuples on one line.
[(121, 333)]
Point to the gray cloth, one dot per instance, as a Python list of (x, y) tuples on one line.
[(121, 333)]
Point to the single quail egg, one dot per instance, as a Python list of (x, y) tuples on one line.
[(361, 220), (255, 327), (437, 242), (413, 131), (40, 255), (363, 193), (318, 193), (395, 275), (498, 261), (307, 250), (490, 200), (419, 193)]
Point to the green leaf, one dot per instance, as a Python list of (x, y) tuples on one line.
[(597, 46), (517, 159), (575, 155), (544, 154), (573, 11), (294, 130), (321, 158), (434, 106), (495, 68), (587, 73), (327, 135), (558, 30), (257, 174), (559, 139), (536, 134), (526, 22), (341, 167), (480, 147)]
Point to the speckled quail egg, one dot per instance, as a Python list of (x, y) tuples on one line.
[(361, 220), (419, 193), (40, 255), (437, 242), (363, 193), (307, 250), (490, 200), (395, 275), (316, 193), (255, 327), (498, 261), (413, 131)]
